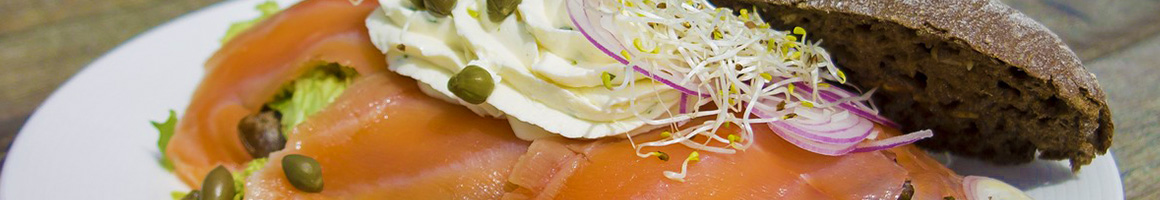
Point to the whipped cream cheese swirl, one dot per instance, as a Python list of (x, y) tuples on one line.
[(548, 76)]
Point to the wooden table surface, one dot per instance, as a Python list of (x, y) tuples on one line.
[(44, 42)]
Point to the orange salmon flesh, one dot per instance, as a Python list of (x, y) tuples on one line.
[(385, 139)]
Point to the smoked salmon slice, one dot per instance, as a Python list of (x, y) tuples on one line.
[(772, 169), (384, 139), (247, 71)]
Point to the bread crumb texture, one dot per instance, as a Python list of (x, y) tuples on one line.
[(992, 83)]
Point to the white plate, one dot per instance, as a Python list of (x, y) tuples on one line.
[(92, 138)]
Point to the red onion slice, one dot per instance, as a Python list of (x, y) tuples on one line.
[(860, 110), (582, 14), (684, 103), (851, 130), (970, 184), (893, 141), (816, 147), (578, 12), (983, 188), (817, 143), (824, 136)]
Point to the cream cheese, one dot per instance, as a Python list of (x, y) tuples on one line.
[(547, 74)]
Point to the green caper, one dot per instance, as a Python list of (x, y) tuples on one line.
[(303, 172), (439, 8), (419, 4), (261, 133), (192, 195), (497, 10), (473, 84), (218, 185), (907, 191)]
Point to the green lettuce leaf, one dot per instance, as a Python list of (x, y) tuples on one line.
[(268, 8), (177, 195), (240, 177), (166, 131), (310, 93)]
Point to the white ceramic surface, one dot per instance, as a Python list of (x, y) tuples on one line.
[(92, 139)]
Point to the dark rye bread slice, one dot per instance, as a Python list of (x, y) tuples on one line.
[(992, 83)]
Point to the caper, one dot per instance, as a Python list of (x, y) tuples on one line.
[(473, 84), (261, 133), (218, 185), (419, 4), (662, 155), (192, 195), (439, 8), (907, 191), (497, 10), (303, 172)]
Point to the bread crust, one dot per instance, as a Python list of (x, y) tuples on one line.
[(989, 28)]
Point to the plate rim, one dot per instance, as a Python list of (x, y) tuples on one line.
[(53, 100)]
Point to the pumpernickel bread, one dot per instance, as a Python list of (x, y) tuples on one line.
[(991, 83)]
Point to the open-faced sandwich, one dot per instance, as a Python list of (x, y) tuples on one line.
[(630, 99)]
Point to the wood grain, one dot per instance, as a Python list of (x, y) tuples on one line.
[(44, 42), (1119, 42), (1094, 28), (1130, 77)]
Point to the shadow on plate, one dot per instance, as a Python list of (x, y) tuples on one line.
[(1025, 176)]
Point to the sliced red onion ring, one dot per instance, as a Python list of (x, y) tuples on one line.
[(828, 138), (815, 142), (816, 147), (893, 141), (860, 110), (846, 136), (812, 146), (983, 188), (798, 138), (848, 131), (604, 40), (684, 103), (970, 185), (582, 14)]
